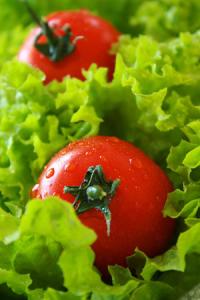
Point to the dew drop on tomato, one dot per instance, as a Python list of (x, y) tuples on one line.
[(130, 161), (50, 173), (35, 191), (66, 167), (137, 163)]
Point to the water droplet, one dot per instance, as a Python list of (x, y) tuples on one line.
[(137, 163), (71, 167), (137, 188), (63, 152), (114, 139), (50, 173), (35, 191), (102, 158), (130, 161), (66, 167), (157, 198), (86, 153)]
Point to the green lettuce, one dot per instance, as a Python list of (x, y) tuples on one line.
[(153, 102), (163, 19), (47, 255), (34, 120), (114, 13)]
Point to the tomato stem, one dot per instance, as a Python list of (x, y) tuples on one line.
[(94, 192), (56, 47)]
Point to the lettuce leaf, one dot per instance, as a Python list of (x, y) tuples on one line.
[(44, 258), (34, 120), (49, 248), (114, 13), (167, 18), (153, 101), (161, 19)]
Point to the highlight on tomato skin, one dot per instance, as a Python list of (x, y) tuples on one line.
[(136, 206), (95, 37)]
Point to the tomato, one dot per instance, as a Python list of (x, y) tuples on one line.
[(137, 204), (95, 35)]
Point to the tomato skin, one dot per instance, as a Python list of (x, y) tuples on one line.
[(136, 208), (98, 37)]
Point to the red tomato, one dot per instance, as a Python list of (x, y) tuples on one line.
[(98, 37), (136, 208)]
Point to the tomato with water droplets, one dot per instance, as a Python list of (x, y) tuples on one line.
[(79, 40), (136, 205)]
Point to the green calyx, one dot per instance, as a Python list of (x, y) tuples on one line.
[(56, 47), (94, 192)]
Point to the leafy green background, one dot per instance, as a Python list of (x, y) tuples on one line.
[(155, 95), (161, 19)]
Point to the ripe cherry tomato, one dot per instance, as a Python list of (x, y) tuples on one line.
[(136, 208), (95, 35)]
